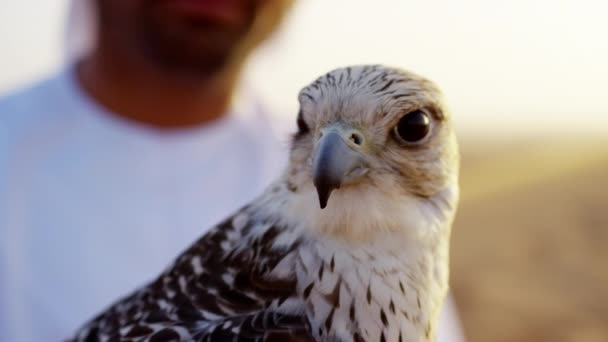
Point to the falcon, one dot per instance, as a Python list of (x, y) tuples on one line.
[(349, 244)]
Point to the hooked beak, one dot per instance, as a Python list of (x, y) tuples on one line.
[(337, 160)]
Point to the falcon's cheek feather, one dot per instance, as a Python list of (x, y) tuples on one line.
[(371, 265)]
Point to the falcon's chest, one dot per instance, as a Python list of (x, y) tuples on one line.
[(354, 294)]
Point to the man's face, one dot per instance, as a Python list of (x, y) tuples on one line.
[(200, 36)]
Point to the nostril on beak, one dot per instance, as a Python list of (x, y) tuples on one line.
[(356, 138)]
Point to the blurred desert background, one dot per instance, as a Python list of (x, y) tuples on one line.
[(526, 81), (529, 243)]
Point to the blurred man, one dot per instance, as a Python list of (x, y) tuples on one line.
[(112, 167)]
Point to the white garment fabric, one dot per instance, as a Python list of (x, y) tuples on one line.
[(93, 206)]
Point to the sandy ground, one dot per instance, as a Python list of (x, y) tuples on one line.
[(530, 242)]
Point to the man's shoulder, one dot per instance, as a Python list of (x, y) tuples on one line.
[(31, 106)]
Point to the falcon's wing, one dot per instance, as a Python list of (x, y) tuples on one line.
[(261, 326), (264, 325), (219, 288)]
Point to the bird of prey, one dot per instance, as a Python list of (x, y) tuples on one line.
[(349, 244)]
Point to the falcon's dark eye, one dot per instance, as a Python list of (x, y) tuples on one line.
[(302, 126), (413, 127)]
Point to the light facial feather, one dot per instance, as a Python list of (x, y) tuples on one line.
[(404, 185)]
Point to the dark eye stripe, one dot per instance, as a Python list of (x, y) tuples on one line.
[(302, 126)]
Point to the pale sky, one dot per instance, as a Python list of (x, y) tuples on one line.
[(520, 66)]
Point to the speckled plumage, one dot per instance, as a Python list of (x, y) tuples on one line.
[(371, 266)]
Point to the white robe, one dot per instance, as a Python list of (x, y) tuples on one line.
[(93, 206)]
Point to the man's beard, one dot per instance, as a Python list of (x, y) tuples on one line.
[(194, 47)]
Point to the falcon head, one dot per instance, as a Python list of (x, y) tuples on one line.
[(375, 150)]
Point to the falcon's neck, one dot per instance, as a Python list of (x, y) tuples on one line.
[(362, 213)]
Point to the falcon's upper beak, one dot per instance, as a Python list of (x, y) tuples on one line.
[(337, 160)]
